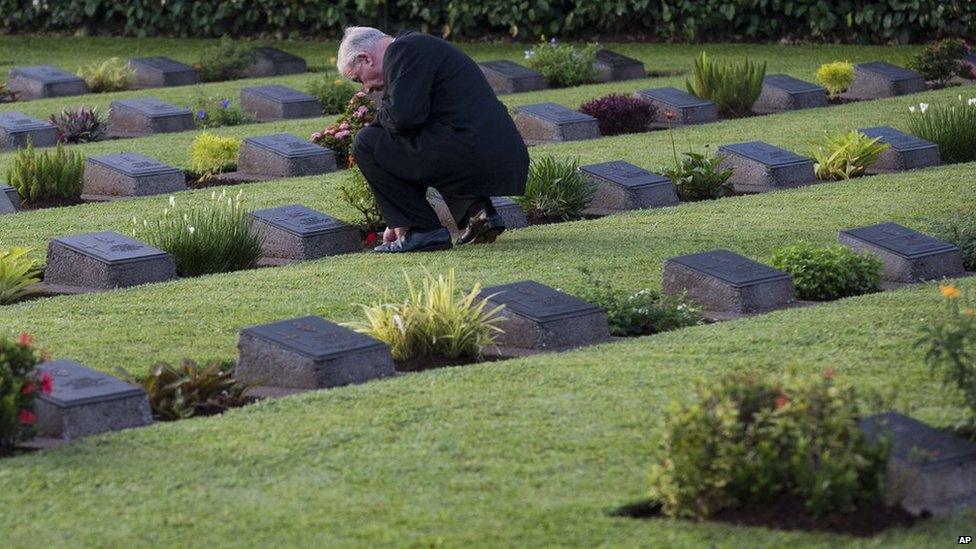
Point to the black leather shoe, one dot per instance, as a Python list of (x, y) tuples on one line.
[(418, 241), (483, 228)]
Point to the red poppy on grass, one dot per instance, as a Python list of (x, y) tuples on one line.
[(370, 238)]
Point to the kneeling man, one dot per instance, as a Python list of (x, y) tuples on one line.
[(439, 125)]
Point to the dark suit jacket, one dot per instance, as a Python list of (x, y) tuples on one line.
[(444, 125)]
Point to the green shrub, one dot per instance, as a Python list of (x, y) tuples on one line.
[(952, 127), (836, 76), (228, 60), (732, 87), (333, 94), (556, 190), (642, 313), (949, 342), (436, 320), (214, 112), (959, 229), (828, 272), (81, 125), (19, 387), (215, 237), (211, 154), (700, 176), (844, 155), (48, 174), (355, 192), (18, 274), (563, 64), (180, 392), (748, 440), (108, 76), (940, 61)]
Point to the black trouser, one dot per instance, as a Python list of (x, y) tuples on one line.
[(404, 202)]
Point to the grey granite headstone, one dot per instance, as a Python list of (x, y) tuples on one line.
[(511, 211), (882, 79), (274, 62), (9, 199), (907, 255), (161, 72), (724, 281), (969, 63), (310, 353), (284, 155), (129, 174), (507, 77), (781, 92), (298, 232), (928, 470), (145, 116), (759, 167), (17, 129), (279, 103), (105, 260), (554, 122), (624, 186), (907, 152), (611, 66), (686, 108), (45, 81), (86, 402), (539, 317)]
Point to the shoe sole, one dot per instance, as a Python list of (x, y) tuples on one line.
[(488, 236)]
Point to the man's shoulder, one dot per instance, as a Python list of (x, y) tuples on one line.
[(419, 39)]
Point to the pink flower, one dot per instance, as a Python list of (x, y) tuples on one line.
[(329, 131), (343, 126), (316, 136), (342, 135), (360, 94), (361, 111), (26, 340)]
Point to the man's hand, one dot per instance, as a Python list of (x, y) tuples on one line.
[(389, 235)]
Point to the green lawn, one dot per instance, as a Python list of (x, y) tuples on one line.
[(526, 452)]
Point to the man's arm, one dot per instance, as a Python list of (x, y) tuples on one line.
[(406, 103)]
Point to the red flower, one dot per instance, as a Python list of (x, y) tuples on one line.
[(47, 383), (27, 417), (370, 238), (26, 340), (828, 373), (28, 388), (781, 401)]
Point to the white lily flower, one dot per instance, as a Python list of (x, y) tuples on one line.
[(972, 101), (213, 195), (191, 229), (172, 201), (135, 221), (923, 107), (911, 109), (186, 217)]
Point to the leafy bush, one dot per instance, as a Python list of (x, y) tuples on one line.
[(213, 112), (940, 61), (213, 238), (556, 190), (334, 95), (228, 60), (828, 272), (108, 76), (339, 136), (211, 154), (7, 95), (700, 176), (845, 155), (180, 392), (355, 192), (436, 320), (48, 174), (836, 76), (732, 87), (952, 127), (619, 113), (749, 440), (643, 313), (19, 386), (18, 274), (563, 65), (949, 342), (81, 125), (959, 229)]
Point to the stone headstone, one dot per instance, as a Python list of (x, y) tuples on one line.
[(86, 402), (907, 255), (310, 353), (907, 152), (145, 116), (161, 72), (17, 129), (685, 108), (929, 470), (129, 174), (781, 92), (554, 122), (510, 211), (105, 260), (624, 186), (882, 79), (9, 199), (284, 155), (611, 66), (507, 77), (969, 64), (274, 62), (760, 167), (298, 232), (539, 317), (279, 103), (724, 281), (45, 81)]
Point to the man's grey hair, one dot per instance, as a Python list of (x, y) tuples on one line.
[(356, 40)]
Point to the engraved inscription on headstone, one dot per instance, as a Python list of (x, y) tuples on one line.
[(907, 152), (898, 140), (17, 129), (110, 247), (685, 108), (761, 167), (314, 337), (790, 84), (299, 220), (147, 115), (555, 112), (625, 174), (889, 71), (611, 66), (507, 77), (764, 153), (45, 81), (296, 232), (129, 174), (538, 301), (901, 240), (624, 186), (554, 122), (157, 72), (882, 79), (105, 260), (906, 255), (284, 155), (275, 62), (288, 145), (781, 92), (278, 102), (723, 281), (730, 267), (133, 164)]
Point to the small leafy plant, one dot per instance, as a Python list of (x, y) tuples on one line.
[(619, 113), (333, 94), (339, 136), (556, 190), (81, 125), (959, 229), (563, 64), (48, 174), (214, 112), (836, 77), (822, 273), (228, 60), (940, 61), (845, 155), (642, 313), (187, 389), (355, 192), (7, 95), (211, 154), (108, 76), (18, 274), (732, 87), (952, 127), (697, 176), (19, 386)]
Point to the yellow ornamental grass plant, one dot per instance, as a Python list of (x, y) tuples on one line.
[(845, 155), (18, 274), (109, 76), (836, 76), (211, 154)]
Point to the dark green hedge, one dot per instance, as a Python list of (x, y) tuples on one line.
[(857, 21)]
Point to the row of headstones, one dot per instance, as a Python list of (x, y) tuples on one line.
[(146, 116), (42, 81)]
